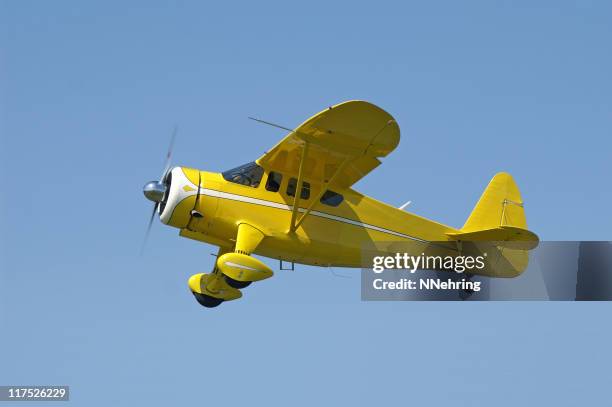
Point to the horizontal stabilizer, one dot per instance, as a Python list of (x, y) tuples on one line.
[(503, 236)]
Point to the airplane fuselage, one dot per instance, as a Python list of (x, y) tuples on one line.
[(328, 236)]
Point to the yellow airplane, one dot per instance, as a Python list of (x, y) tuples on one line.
[(295, 204)]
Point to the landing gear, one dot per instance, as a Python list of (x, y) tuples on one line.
[(234, 269), (206, 300), (237, 284), (465, 293)]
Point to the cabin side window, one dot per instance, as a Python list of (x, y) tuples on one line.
[(274, 181), (292, 186), (248, 174), (331, 198)]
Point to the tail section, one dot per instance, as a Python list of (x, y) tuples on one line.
[(499, 216), (500, 205), (497, 229)]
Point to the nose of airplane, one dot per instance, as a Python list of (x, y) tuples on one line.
[(154, 191)]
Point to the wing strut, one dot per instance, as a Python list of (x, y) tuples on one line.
[(322, 192), (298, 190)]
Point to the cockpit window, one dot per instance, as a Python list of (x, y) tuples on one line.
[(331, 198), (292, 186), (248, 174), (274, 181)]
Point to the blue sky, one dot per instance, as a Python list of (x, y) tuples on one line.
[(89, 95)]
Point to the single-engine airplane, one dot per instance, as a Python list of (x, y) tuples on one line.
[(296, 204)]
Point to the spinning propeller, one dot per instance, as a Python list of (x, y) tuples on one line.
[(156, 190)]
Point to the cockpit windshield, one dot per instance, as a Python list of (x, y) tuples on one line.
[(248, 174)]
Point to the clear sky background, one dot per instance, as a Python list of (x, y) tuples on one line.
[(89, 94)]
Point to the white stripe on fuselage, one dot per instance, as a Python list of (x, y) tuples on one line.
[(270, 204)]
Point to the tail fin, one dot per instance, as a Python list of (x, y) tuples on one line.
[(499, 216), (500, 205)]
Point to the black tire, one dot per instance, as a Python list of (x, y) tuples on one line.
[(207, 301), (237, 284)]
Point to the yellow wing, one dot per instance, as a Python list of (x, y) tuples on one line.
[(350, 137)]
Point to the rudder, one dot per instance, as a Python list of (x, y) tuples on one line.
[(499, 216), (498, 226), (499, 205)]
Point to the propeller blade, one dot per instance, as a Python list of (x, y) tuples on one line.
[(144, 243), (169, 154), (153, 197)]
